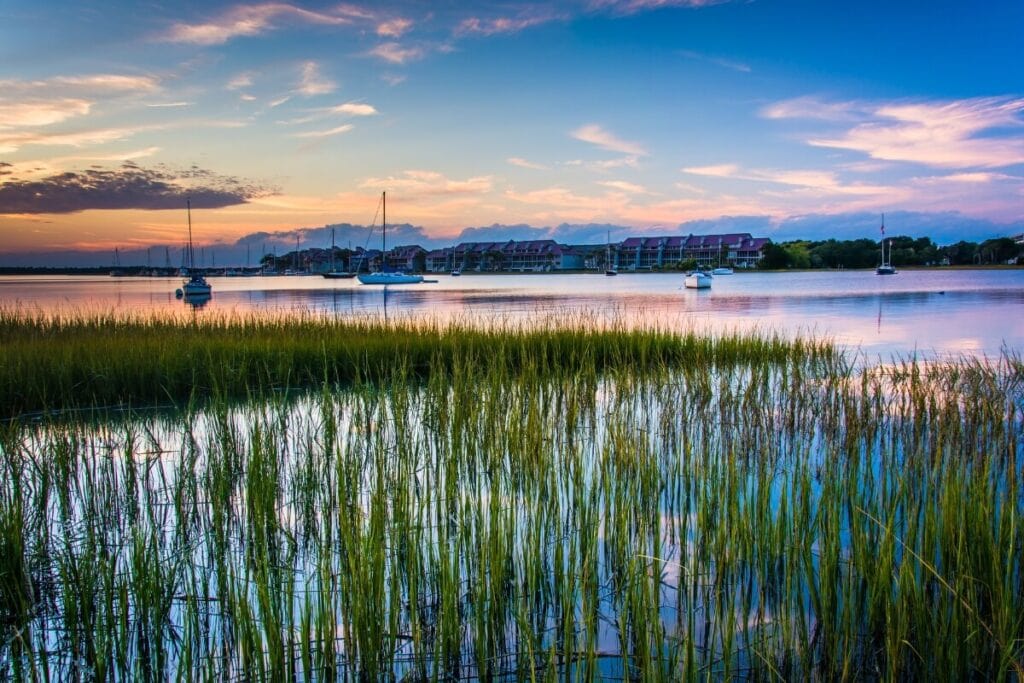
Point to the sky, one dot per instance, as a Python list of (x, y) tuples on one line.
[(579, 121)]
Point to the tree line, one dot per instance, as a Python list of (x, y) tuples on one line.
[(906, 251)]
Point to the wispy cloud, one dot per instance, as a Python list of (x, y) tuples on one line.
[(253, 20), (95, 83), (312, 82), (523, 163), (45, 102), (324, 133), (394, 28), (128, 187), (34, 113), (168, 105), (394, 53), (634, 6), (596, 135), (354, 109), (497, 25), (418, 182), (809, 107), (350, 109), (624, 186), (243, 80), (823, 182), (717, 61), (11, 142), (985, 132)]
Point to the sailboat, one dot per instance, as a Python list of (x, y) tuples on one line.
[(333, 274), (886, 267), (384, 276), (609, 268), (196, 286), (117, 271)]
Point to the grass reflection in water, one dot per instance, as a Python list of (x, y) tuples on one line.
[(528, 504)]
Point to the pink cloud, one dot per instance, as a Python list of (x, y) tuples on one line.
[(634, 6), (331, 132), (419, 183), (396, 54), (523, 163), (596, 135), (985, 132), (490, 27), (312, 82), (251, 20), (394, 28)]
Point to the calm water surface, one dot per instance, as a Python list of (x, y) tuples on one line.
[(940, 312)]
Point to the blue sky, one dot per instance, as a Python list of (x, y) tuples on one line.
[(795, 118)]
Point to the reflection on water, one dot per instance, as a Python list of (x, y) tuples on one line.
[(708, 523), (949, 311)]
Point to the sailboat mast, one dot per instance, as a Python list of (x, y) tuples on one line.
[(383, 224), (191, 252)]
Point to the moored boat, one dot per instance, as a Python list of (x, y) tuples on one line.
[(697, 280), (196, 285), (385, 276), (885, 267)]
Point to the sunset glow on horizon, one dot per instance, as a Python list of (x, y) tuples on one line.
[(569, 120)]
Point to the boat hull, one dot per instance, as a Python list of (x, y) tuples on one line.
[(885, 270), (338, 276), (722, 271), (697, 281), (197, 286), (390, 279)]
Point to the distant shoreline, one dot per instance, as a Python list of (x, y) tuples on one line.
[(138, 272)]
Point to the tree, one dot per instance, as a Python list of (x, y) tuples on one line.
[(999, 250), (775, 257)]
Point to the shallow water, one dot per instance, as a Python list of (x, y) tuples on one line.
[(928, 312)]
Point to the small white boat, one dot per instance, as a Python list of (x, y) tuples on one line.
[(697, 280), (386, 277), (722, 270), (456, 273)]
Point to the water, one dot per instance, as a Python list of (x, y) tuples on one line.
[(927, 312)]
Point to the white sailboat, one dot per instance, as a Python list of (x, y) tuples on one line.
[(385, 276), (886, 267), (196, 286)]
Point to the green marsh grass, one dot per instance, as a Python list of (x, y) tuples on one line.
[(445, 503)]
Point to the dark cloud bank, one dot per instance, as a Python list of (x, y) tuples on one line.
[(127, 187)]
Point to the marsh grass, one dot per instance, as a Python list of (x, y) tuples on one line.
[(539, 504), (62, 361)]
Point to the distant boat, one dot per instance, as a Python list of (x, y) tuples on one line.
[(117, 271), (886, 267), (456, 273), (722, 270), (384, 276), (196, 286), (333, 274), (697, 280), (609, 268)]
